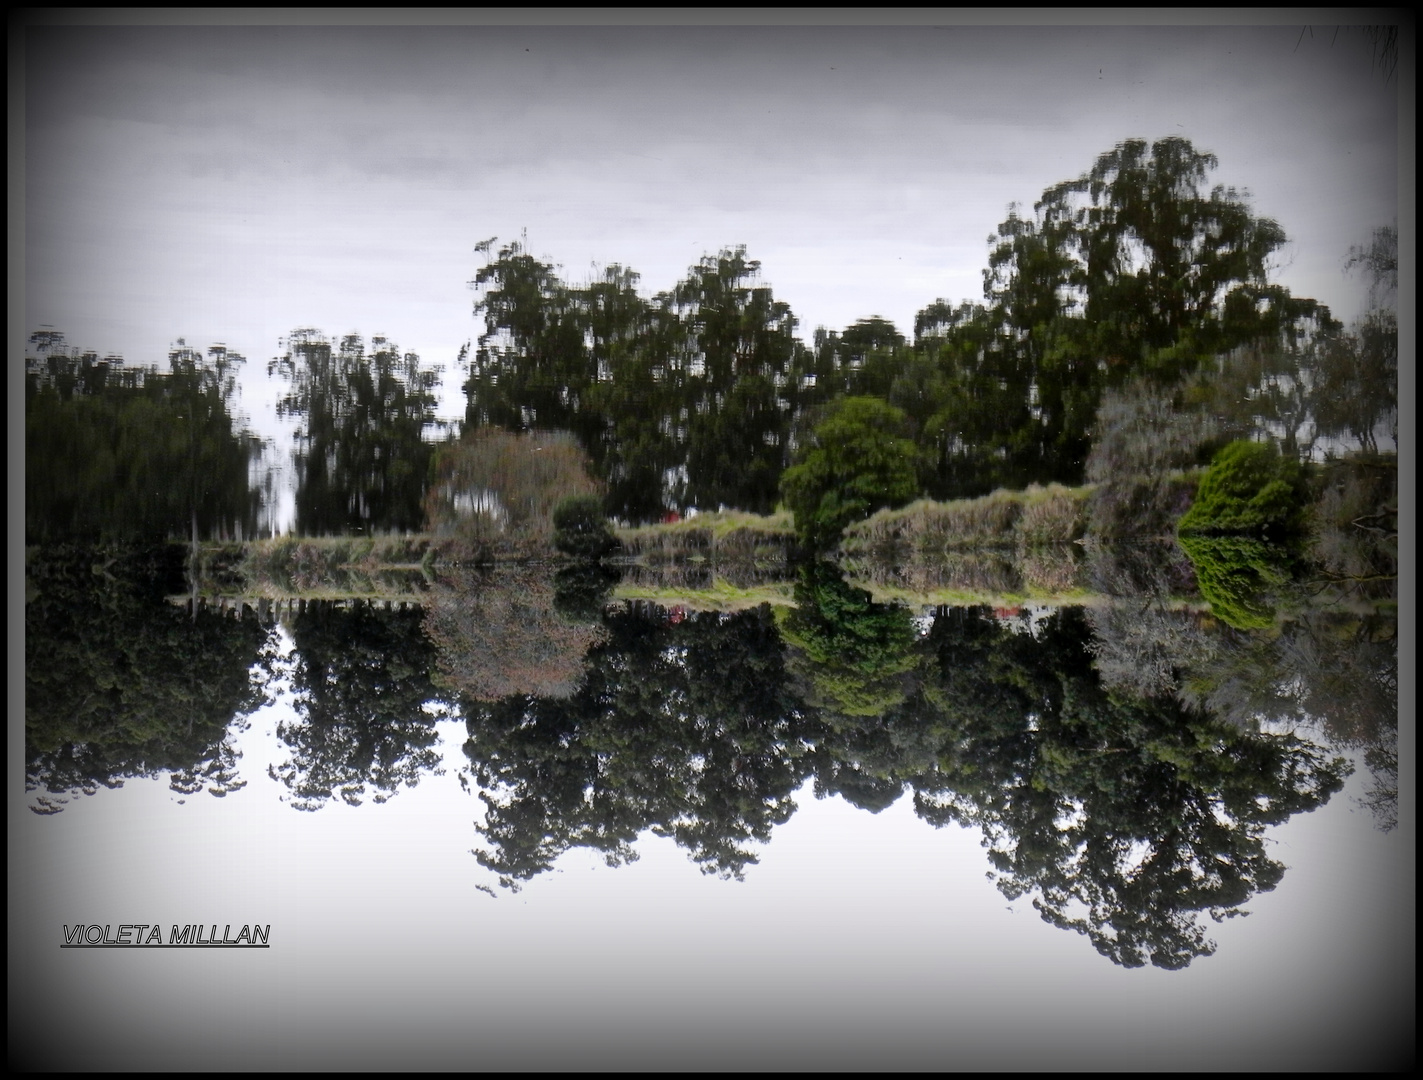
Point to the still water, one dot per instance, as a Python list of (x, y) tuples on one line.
[(517, 821)]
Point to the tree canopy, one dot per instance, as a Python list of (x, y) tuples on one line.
[(362, 457), (1141, 267), (134, 453), (859, 458)]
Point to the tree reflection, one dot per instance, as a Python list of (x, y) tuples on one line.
[(500, 631), (361, 674), (119, 683), (682, 725), (852, 656), (1125, 819)]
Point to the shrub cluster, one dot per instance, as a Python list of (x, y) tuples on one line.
[(1250, 488)]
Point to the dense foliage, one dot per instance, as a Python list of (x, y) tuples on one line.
[(360, 726), (700, 395), (362, 458), (581, 530), (1125, 818), (120, 683), (1250, 488), (858, 460), (130, 453)]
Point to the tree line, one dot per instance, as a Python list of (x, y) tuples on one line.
[(137, 453), (1137, 271)]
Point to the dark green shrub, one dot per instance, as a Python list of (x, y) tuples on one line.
[(859, 458), (581, 530), (581, 589), (1250, 488)]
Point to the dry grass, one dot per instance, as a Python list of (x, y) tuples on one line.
[(285, 567), (722, 537), (1051, 515), (1050, 570), (1038, 515)]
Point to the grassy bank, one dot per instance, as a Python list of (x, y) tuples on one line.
[(1004, 519), (378, 567), (726, 536)]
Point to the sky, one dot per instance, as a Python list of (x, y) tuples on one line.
[(231, 183)]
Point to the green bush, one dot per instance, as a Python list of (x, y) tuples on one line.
[(1237, 575), (581, 530), (1250, 488), (859, 459)]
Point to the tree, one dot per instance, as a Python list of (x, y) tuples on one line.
[(500, 633), (581, 530), (1356, 387), (362, 677), (1125, 819), (1135, 267), (681, 400), (1250, 488), (859, 458), (362, 458), (121, 683), (1239, 576), (132, 453), (683, 727), (854, 657)]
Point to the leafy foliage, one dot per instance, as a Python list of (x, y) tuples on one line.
[(680, 400), (1139, 269), (1250, 488), (120, 683), (125, 453), (581, 530), (851, 654), (362, 676), (683, 727), (362, 459), (1237, 574), (859, 459), (1125, 819)]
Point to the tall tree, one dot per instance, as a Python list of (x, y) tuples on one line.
[(362, 458), (1135, 267)]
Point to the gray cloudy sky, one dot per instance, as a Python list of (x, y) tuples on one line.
[(231, 183)]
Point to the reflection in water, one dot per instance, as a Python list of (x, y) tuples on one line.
[(119, 683), (1113, 757), (1124, 818), (500, 632), (362, 677), (684, 726)]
